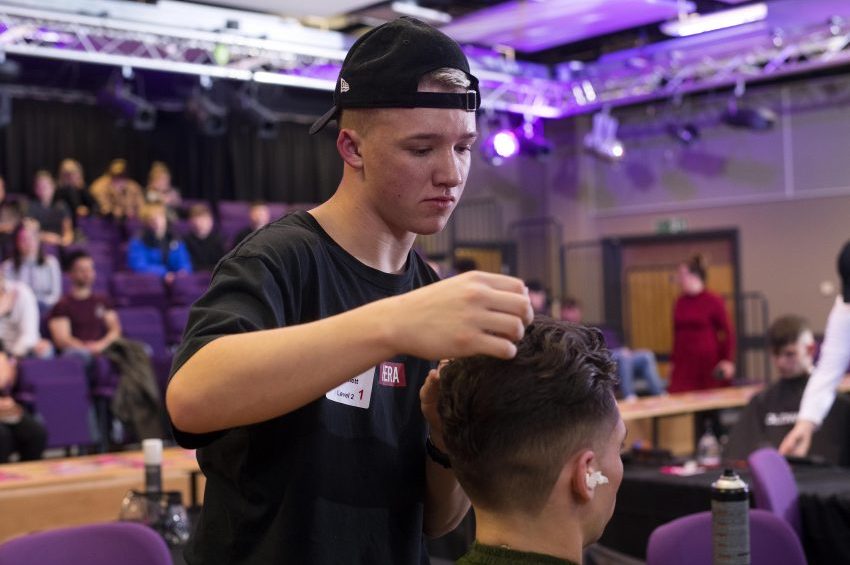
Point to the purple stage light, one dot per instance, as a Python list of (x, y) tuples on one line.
[(506, 144)]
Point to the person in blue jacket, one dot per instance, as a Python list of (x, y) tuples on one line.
[(157, 251)]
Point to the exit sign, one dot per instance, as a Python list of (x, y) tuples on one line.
[(671, 225)]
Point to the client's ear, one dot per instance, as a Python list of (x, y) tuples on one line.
[(583, 468)]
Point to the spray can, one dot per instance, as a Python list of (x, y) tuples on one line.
[(152, 449), (730, 520)]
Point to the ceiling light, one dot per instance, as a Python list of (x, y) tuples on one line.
[(686, 133), (210, 117), (499, 147), (602, 138), (427, 14), (695, 23), (264, 119), (757, 118), (118, 98)]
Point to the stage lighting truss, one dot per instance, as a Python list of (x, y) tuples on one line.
[(519, 87)]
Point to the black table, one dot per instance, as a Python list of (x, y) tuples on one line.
[(648, 498)]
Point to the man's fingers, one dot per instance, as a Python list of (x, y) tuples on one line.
[(499, 282), (503, 325), (495, 346)]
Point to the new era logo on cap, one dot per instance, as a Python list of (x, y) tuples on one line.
[(343, 85)]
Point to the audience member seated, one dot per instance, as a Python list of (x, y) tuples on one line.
[(72, 189), (159, 189), (19, 321), (30, 265), (11, 214), (52, 215), (772, 413), (157, 251), (19, 431), (84, 324), (535, 443), (539, 297), (631, 363), (205, 246), (116, 194), (259, 216)]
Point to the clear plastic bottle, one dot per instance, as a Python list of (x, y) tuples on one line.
[(708, 448)]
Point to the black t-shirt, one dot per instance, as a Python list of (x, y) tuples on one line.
[(341, 480), (205, 253), (49, 217), (772, 413)]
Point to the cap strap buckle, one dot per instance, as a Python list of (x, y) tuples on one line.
[(471, 100)]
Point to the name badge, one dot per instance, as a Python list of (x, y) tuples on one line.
[(354, 392)]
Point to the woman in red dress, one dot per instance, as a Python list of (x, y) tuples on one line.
[(703, 339)]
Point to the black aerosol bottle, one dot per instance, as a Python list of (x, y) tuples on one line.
[(730, 520)]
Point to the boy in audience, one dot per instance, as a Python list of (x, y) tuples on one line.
[(631, 363), (157, 251), (773, 412), (535, 443), (259, 215), (205, 246)]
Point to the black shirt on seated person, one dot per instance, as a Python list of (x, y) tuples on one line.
[(205, 253), (771, 414), (341, 480)]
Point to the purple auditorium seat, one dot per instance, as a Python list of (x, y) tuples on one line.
[(774, 486), (176, 319), (133, 227), (277, 210), (233, 210), (181, 228), (144, 323), (127, 543), (187, 288), (99, 229), (231, 228), (688, 540), (57, 390), (137, 289)]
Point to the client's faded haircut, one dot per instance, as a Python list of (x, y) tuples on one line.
[(510, 425)]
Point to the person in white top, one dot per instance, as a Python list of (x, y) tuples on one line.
[(19, 333), (832, 365), (29, 264)]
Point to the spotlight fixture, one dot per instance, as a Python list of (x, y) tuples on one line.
[(264, 118), (118, 97), (508, 142), (686, 133), (602, 139), (210, 117), (757, 118)]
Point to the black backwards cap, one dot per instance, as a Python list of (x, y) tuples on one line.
[(384, 66), (844, 271)]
